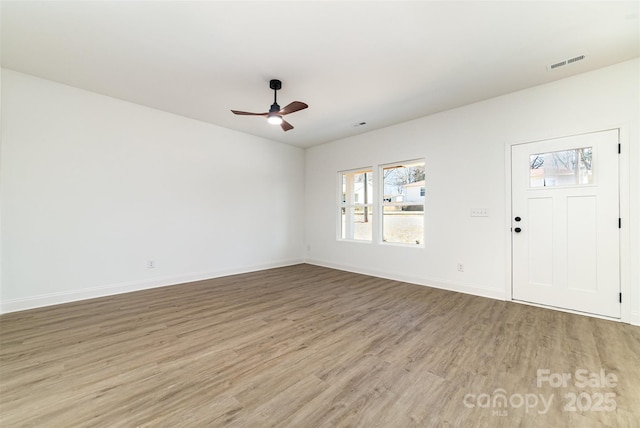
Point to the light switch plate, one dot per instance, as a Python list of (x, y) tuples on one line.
[(479, 212)]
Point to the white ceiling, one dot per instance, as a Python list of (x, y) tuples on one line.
[(379, 62)]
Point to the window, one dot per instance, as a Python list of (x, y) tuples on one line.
[(399, 204), (562, 168), (403, 199), (355, 206)]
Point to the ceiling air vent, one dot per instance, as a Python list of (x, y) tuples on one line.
[(578, 58), (565, 62)]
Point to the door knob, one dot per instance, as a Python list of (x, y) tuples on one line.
[(517, 230), (517, 219)]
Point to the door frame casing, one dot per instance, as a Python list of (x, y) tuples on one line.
[(624, 207)]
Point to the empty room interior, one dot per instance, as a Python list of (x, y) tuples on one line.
[(320, 213)]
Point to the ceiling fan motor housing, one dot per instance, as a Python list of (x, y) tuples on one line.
[(275, 84)]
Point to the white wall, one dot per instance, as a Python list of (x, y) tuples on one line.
[(466, 162), (92, 188)]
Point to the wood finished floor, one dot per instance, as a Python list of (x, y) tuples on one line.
[(306, 346)]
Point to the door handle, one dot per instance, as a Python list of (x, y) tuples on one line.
[(517, 230), (517, 219)]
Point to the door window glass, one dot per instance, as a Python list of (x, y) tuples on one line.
[(562, 168)]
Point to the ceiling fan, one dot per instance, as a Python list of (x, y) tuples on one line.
[(275, 113)]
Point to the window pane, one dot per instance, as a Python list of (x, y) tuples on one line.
[(356, 223), (355, 206), (357, 187), (403, 224), (562, 168), (404, 183), (403, 203)]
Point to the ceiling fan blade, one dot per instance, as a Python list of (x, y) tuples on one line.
[(293, 107), (246, 113), (286, 126)]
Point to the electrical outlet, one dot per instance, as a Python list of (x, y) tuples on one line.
[(460, 267), (151, 264)]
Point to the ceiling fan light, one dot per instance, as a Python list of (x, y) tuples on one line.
[(274, 119)]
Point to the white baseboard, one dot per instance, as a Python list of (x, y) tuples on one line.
[(127, 287), (16, 305), (474, 289)]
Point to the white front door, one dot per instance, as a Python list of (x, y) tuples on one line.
[(565, 230)]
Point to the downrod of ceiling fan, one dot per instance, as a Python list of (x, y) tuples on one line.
[(275, 84)]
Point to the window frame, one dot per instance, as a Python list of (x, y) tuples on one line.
[(376, 204), (341, 204)]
